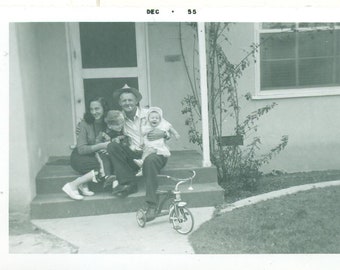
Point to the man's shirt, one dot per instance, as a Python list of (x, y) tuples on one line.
[(133, 128)]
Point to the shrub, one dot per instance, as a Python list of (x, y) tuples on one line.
[(238, 167)]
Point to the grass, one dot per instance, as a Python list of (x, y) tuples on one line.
[(306, 222), (269, 182)]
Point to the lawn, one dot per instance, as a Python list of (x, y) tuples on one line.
[(270, 182), (306, 222)]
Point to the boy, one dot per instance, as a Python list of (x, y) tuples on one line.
[(114, 132)]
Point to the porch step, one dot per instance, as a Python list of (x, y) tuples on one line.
[(57, 172), (51, 202), (57, 205)]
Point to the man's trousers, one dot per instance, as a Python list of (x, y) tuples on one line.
[(125, 169)]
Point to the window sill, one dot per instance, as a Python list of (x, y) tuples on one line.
[(295, 93)]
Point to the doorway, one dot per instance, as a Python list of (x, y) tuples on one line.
[(104, 57)]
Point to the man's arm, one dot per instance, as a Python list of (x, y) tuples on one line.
[(156, 134)]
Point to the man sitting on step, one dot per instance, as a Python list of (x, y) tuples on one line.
[(122, 157)]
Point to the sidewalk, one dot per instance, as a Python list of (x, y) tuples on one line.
[(106, 234), (120, 234)]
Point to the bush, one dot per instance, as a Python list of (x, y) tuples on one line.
[(238, 167)]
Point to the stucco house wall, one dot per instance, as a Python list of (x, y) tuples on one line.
[(26, 133), (56, 88), (21, 189), (312, 123), (168, 80), (40, 105)]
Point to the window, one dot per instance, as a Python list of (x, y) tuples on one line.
[(107, 44), (298, 59)]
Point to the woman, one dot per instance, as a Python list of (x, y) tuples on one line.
[(83, 157)]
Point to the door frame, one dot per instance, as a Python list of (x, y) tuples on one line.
[(77, 73)]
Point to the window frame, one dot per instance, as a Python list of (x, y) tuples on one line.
[(289, 92)]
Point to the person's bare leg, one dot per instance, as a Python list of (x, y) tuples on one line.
[(86, 178), (71, 188), (101, 165)]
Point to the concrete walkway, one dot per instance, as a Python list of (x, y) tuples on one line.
[(120, 234)]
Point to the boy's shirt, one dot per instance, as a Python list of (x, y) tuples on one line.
[(110, 135), (113, 133)]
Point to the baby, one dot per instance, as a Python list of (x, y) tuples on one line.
[(154, 119), (114, 132)]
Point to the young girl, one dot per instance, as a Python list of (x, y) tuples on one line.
[(154, 119)]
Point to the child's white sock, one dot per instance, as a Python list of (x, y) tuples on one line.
[(94, 178)]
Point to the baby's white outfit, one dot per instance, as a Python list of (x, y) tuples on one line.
[(159, 145)]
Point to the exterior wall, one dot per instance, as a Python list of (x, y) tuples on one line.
[(26, 154), (40, 105), (312, 123), (168, 80), (21, 184), (56, 87)]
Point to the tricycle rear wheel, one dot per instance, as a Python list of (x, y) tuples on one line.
[(141, 218)]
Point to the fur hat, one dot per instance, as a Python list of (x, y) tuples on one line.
[(127, 89)]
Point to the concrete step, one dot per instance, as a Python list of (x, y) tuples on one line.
[(52, 178), (57, 172), (59, 205), (51, 202)]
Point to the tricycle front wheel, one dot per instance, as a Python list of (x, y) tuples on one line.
[(182, 220)]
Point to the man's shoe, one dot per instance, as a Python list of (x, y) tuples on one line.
[(150, 213), (120, 194), (127, 190), (118, 189), (132, 189)]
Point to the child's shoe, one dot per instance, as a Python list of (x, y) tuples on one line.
[(139, 162), (140, 172), (108, 180)]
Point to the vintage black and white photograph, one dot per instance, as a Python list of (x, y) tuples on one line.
[(177, 137)]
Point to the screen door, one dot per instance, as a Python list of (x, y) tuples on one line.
[(105, 57)]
